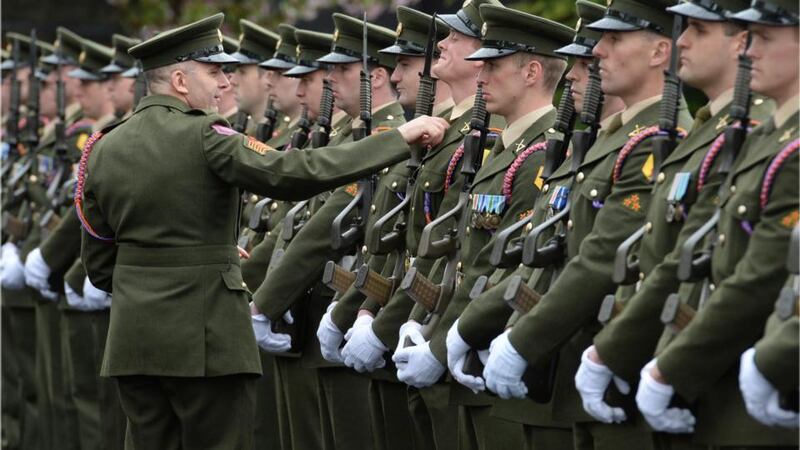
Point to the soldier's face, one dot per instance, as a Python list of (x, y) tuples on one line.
[(406, 79), (309, 92), (774, 52), (93, 97), (345, 79), (624, 61), (451, 65), (121, 92), (204, 84), (503, 80), (5, 94), (248, 87), (286, 94), (47, 95), (579, 75), (23, 73), (71, 85), (707, 55)]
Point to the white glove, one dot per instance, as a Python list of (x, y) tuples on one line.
[(330, 338), (73, 299), (267, 339), (95, 299), (37, 271), (504, 369), (363, 351), (405, 329), (592, 380), (13, 272), (653, 399), (457, 350), (416, 365), (760, 396)]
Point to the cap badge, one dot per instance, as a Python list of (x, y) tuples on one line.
[(484, 28), (82, 57), (297, 52), (399, 28), (336, 35)]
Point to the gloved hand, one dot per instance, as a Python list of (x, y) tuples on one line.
[(36, 274), (592, 380), (13, 272), (95, 299), (330, 338), (416, 365), (73, 298), (411, 326), (457, 350), (504, 369), (267, 339), (363, 351), (761, 398), (653, 399)]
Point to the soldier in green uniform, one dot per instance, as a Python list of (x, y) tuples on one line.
[(283, 88), (227, 102), (249, 84), (758, 209), (121, 87), (710, 47), (520, 74), (388, 400), (300, 268), (179, 344), (485, 317), (608, 203)]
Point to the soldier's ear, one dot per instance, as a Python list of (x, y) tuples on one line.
[(179, 81), (533, 71), (662, 47)]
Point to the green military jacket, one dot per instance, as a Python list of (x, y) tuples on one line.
[(748, 269), (627, 343), (776, 353), (180, 307), (605, 209)]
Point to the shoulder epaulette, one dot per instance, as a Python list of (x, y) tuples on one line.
[(508, 180), (774, 167), (87, 151), (631, 145)]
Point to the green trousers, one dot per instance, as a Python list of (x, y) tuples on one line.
[(297, 405), (392, 428), (633, 433), (267, 431), (548, 438), (435, 419), (479, 430), (19, 351), (176, 413), (344, 409)]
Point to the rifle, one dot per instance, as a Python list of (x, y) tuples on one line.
[(240, 121), (505, 255), (435, 297), (695, 265), (336, 276), (382, 242), (265, 129), (12, 121), (626, 265), (300, 136), (32, 137)]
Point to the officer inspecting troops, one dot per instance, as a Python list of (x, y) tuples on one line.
[(225, 243)]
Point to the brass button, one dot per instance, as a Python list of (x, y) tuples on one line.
[(372, 208), (364, 249), (33, 179), (545, 188), (593, 193), (394, 184), (580, 177), (253, 198), (269, 233), (721, 238), (529, 227), (569, 224), (308, 213), (733, 188), (661, 177), (758, 101), (458, 266), (412, 208), (427, 184), (648, 226), (244, 285), (741, 209), (273, 206), (390, 117), (470, 196), (385, 170), (467, 230), (711, 287), (641, 276)]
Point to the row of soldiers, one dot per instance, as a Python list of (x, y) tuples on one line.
[(483, 293)]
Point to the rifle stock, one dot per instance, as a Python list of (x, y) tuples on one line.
[(337, 278)]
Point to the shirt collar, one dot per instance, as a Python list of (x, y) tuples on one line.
[(785, 111), (632, 111), (442, 106), (720, 102), (462, 107), (515, 130)]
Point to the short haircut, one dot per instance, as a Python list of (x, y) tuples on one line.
[(553, 68)]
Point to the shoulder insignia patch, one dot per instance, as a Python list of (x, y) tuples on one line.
[(465, 128), (632, 202), (223, 130), (636, 130), (334, 132), (791, 219), (351, 189), (647, 167), (539, 181), (520, 146), (378, 130), (486, 153), (256, 145), (81, 142), (723, 122)]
